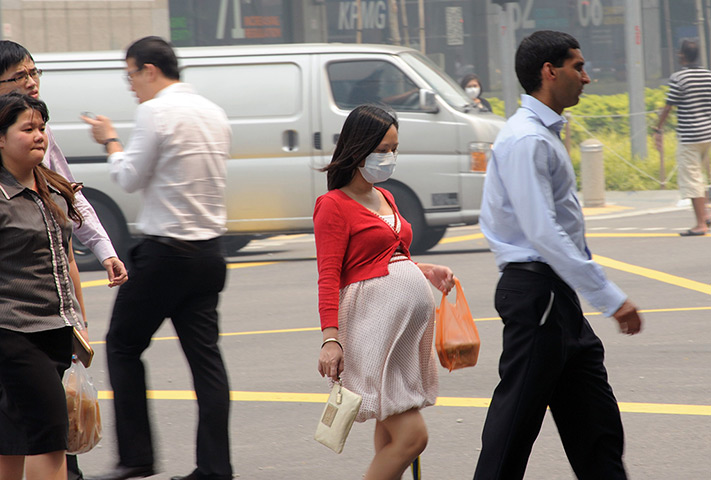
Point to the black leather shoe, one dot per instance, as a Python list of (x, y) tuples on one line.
[(186, 477), (122, 472)]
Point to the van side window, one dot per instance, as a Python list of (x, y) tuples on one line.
[(354, 83), (257, 90)]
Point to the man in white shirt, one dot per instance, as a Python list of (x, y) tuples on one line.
[(177, 159), (533, 222)]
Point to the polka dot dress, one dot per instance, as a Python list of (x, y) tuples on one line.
[(386, 327)]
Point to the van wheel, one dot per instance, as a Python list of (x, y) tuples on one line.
[(115, 228), (231, 244), (423, 238), (431, 237)]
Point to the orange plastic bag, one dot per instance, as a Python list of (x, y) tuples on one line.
[(457, 341)]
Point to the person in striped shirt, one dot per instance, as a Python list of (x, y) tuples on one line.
[(690, 93)]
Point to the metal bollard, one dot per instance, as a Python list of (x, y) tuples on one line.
[(592, 173)]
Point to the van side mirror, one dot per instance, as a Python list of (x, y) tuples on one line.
[(428, 102)]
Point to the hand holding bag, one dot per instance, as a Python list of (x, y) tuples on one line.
[(457, 339), (83, 409), (337, 418)]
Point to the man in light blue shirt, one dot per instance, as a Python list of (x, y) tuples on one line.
[(533, 222)]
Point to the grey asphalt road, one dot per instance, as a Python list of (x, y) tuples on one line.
[(662, 377)]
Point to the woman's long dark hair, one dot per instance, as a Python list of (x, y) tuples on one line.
[(362, 132), (11, 106)]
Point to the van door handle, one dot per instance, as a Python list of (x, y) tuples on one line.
[(317, 141), (290, 140)]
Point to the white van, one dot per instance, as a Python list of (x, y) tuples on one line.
[(286, 105)]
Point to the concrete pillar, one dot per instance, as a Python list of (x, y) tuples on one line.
[(507, 39), (592, 173), (635, 77)]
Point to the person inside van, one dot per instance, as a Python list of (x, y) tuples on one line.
[(472, 86), (18, 73), (376, 308)]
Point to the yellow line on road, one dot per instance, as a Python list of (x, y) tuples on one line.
[(295, 397), (590, 211), (462, 238), (654, 274), (483, 319), (102, 282), (667, 408), (248, 264), (477, 236), (94, 283), (630, 235)]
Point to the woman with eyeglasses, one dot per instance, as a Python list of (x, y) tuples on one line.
[(376, 307)]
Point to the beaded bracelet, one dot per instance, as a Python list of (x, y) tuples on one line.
[(332, 340)]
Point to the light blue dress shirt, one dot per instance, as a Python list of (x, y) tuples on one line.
[(530, 211)]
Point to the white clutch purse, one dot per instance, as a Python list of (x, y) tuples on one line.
[(337, 418)]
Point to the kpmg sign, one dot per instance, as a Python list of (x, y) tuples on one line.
[(343, 21)]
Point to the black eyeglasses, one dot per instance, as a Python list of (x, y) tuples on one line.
[(35, 73)]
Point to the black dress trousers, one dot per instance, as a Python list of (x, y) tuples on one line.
[(181, 281), (551, 358)]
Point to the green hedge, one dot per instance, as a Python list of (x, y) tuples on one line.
[(604, 117)]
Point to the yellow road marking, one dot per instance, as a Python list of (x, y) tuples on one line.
[(630, 235), (94, 283), (295, 397), (462, 238), (482, 319), (478, 236), (248, 264), (588, 211), (653, 274), (102, 282)]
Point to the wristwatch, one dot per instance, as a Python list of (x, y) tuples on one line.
[(109, 140)]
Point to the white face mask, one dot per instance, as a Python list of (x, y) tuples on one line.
[(378, 167), (473, 92)]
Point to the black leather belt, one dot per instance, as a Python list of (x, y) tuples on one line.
[(175, 243), (535, 267)]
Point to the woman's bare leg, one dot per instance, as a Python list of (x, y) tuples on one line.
[(382, 437), (47, 466), (12, 467), (408, 439)]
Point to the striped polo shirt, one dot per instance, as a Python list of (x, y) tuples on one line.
[(36, 292), (690, 92)]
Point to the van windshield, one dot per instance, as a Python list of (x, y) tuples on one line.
[(441, 83)]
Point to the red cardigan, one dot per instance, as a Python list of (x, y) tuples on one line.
[(352, 244)]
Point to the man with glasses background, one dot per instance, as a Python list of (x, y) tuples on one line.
[(18, 73)]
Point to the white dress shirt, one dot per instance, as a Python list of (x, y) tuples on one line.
[(91, 233), (177, 157), (530, 211)]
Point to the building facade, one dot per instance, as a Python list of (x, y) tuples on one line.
[(461, 36)]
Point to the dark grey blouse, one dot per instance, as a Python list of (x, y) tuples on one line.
[(36, 292)]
